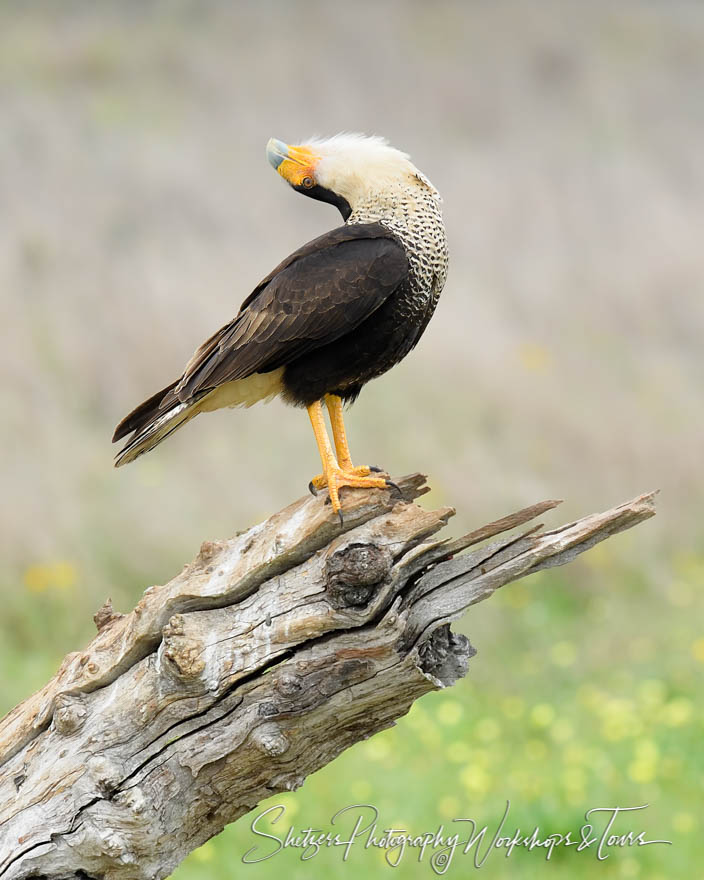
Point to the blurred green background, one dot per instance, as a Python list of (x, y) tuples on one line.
[(565, 360)]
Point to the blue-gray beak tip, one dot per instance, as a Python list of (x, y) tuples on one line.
[(276, 152)]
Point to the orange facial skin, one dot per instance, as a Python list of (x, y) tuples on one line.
[(298, 166)]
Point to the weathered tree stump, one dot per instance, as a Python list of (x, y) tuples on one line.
[(263, 660)]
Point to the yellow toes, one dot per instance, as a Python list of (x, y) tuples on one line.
[(320, 480), (356, 478), (339, 479)]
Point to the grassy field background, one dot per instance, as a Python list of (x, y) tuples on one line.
[(565, 360)]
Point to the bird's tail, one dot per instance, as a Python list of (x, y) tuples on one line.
[(156, 431), (152, 422)]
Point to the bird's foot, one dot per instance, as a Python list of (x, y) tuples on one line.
[(363, 470), (355, 478)]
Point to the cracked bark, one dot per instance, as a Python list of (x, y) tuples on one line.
[(265, 658)]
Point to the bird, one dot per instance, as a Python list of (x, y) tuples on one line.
[(338, 312)]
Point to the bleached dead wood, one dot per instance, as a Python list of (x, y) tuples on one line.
[(264, 659)]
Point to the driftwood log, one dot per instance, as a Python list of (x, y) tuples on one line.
[(264, 659)]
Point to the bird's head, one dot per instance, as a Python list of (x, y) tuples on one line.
[(346, 170)]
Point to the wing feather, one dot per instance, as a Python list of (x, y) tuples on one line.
[(317, 295)]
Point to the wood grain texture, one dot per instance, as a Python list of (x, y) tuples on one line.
[(264, 659)]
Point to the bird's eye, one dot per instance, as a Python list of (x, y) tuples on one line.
[(307, 182)]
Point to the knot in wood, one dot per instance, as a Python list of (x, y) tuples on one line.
[(174, 627), (184, 652), (132, 799), (288, 683), (270, 739), (185, 657), (69, 714), (105, 774), (208, 551), (445, 655), (354, 573), (267, 708), (105, 615)]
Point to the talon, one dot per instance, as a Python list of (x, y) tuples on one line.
[(375, 469), (317, 483), (339, 513), (392, 485), (312, 489)]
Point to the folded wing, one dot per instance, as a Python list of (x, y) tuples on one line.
[(317, 295)]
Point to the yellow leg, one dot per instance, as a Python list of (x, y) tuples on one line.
[(344, 459), (333, 476), (317, 420)]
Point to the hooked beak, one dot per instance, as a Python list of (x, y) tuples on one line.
[(295, 164), (276, 152)]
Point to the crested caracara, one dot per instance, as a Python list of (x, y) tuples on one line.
[(339, 311)]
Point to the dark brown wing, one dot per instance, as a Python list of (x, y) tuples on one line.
[(318, 294), (144, 413)]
